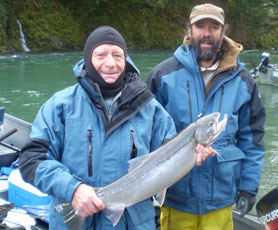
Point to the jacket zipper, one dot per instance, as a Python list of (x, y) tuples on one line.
[(134, 150), (221, 98), (220, 103), (90, 152), (189, 100)]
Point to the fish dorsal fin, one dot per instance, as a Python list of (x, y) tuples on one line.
[(133, 163), (114, 215), (160, 197)]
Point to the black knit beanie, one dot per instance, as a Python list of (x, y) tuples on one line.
[(103, 35)]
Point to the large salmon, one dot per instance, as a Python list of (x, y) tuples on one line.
[(151, 174)]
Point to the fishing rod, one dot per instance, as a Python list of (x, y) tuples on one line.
[(5, 136)]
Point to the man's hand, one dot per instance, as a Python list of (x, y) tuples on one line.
[(85, 201), (245, 202), (203, 153)]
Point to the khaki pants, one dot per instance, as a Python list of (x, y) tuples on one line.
[(172, 219)]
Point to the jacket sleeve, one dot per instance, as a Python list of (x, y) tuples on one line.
[(151, 81), (163, 127), (250, 139), (154, 80), (39, 161)]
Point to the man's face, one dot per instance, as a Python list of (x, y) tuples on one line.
[(109, 62), (206, 38)]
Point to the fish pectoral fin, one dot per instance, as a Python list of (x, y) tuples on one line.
[(136, 161), (160, 197), (114, 215)]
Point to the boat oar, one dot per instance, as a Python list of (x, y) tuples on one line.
[(267, 210), (7, 134)]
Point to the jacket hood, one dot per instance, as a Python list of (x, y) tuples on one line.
[(231, 49)]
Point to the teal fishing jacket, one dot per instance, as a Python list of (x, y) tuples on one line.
[(178, 85), (73, 142)]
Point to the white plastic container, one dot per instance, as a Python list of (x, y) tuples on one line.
[(22, 193)]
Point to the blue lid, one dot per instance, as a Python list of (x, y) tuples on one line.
[(2, 112)]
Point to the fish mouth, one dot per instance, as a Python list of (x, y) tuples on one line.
[(220, 126)]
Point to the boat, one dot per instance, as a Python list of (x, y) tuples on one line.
[(14, 134), (248, 222), (265, 73)]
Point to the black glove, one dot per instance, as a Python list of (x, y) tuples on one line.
[(245, 202)]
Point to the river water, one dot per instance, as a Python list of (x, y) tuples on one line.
[(29, 79)]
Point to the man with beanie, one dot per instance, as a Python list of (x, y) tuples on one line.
[(84, 136), (206, 76)]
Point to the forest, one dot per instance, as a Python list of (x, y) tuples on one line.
[(64, 25)]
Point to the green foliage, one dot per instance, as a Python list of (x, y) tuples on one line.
[(50, 28), (3, 22), (65, 24), (250, 21)]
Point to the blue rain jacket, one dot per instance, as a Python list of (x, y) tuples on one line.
[(72, 142), (178, 85)]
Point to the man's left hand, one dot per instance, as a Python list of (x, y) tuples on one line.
[(245, 202)]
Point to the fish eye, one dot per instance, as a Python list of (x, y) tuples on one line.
[(211, 124)]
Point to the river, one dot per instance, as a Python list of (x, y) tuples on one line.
[(29, 79)]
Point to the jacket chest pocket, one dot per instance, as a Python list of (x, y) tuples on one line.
[(79, 147)]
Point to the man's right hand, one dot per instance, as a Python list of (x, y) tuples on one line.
[(85, 201), (203, 153)]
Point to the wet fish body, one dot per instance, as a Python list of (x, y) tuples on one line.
[(151, 174)]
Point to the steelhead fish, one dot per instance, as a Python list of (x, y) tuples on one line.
[(151, 174)]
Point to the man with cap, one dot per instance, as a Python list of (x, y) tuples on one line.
[(84, 135), (205, 76)]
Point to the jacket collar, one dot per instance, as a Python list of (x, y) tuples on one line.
[(135, 95), (232, 50)]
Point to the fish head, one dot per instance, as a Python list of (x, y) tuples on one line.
[(209, 128)]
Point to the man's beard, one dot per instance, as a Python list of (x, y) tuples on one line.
[(206, 54)]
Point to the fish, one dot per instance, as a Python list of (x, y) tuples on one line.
[(150, 175)]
